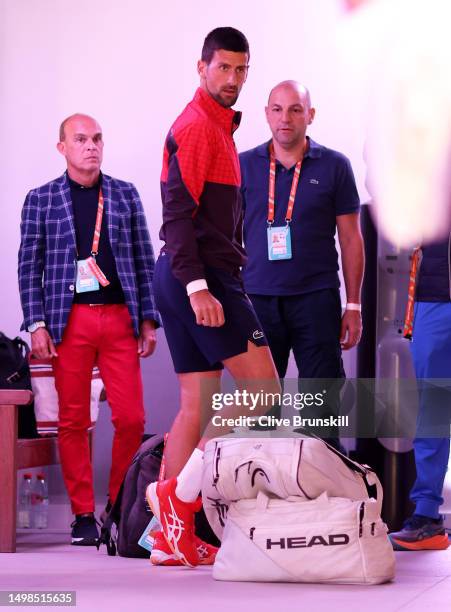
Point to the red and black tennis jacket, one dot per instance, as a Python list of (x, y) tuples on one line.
[(200, 190)]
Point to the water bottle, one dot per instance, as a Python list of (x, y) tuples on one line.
[(24, 509), (40, 502)]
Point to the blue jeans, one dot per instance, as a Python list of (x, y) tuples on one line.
[(431, 352)]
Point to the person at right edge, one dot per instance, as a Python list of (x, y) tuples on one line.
[(428, 325)]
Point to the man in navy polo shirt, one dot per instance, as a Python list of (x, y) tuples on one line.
[(296, 194)]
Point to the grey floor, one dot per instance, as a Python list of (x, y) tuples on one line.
[(44, 561)]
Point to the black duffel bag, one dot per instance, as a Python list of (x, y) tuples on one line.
[(15, 374), (130, 514)]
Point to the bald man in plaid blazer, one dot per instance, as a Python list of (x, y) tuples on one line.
[(85, 279)]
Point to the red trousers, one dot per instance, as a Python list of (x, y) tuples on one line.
[(102, 335)]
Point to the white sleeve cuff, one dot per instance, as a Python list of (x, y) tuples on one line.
[(196, 285)]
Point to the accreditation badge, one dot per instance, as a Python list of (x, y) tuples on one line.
[(86, 280), (279, 242)]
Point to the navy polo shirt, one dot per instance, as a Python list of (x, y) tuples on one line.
[(326, 189)]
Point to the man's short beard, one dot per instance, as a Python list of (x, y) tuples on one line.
[(221, 101)]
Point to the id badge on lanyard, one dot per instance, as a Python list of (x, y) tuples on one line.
[(86, 281), (279, 242), (89, 275), (279, 237)]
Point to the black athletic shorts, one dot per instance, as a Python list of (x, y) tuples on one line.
[(197, 348)]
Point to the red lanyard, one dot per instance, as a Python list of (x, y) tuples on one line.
[(407, 331), (91, 261), (272, 187), (98, 226)]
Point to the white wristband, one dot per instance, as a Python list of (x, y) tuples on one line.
[(196, 285), (351, 306)]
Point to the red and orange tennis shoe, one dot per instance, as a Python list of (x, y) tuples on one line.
[(162, 555), (420, 533), (176, 519)]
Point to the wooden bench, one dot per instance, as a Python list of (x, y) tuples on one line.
[(16, 454)]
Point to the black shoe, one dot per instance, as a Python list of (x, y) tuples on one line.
[(84, 530)]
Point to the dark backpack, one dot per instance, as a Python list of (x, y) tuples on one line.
[(130, 513), (15, 374)]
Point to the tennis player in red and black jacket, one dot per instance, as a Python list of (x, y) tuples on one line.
[(208, 320), (200, 185)]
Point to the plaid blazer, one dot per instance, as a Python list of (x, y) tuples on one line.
[(47, 254)]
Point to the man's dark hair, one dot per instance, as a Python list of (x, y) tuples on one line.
[(228, 39)]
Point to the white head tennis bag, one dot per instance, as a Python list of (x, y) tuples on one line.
[(326, 540), (239, 468)]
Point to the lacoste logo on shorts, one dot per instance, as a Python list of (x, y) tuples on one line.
[(314, 182), (257, 334)]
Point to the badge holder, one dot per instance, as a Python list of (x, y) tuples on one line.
[(279, 241), (86, 281)]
